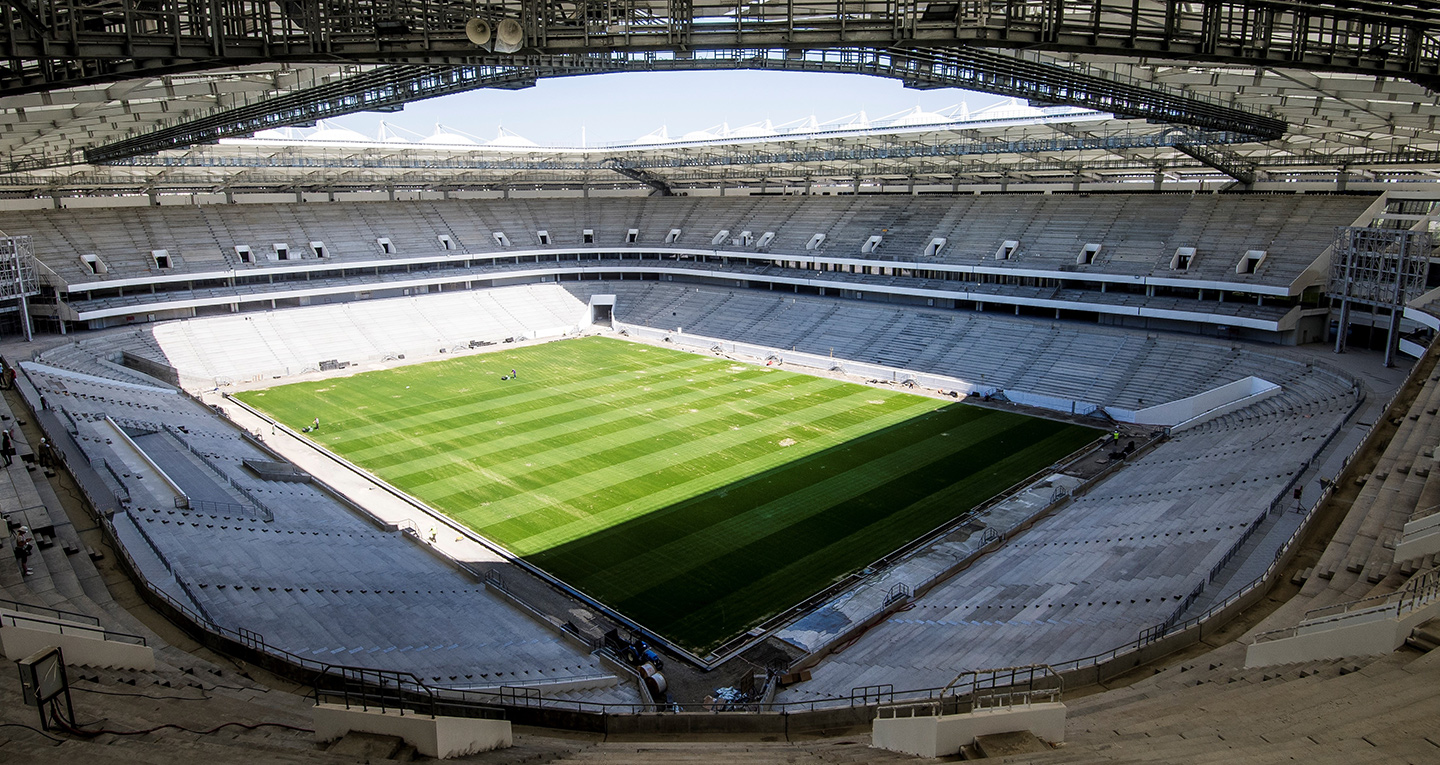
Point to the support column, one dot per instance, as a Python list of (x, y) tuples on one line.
[(1344, 323), (25, 317), (1392, 337)]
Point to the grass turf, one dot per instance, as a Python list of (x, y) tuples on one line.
[(695, 495)]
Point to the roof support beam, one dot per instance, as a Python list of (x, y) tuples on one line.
[(969, 69), (660, 186), (92, 41), (1221, 160)]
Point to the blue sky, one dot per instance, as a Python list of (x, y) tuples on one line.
[(614, 108)]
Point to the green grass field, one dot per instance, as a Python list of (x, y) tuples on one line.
[(696, 495)]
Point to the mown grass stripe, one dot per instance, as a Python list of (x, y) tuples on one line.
[(573, 430), (784, 502), (776, 500), (701, 465), (516, 400), (654, 479)]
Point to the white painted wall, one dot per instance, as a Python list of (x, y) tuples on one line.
[(943, 736), (20, 640), (39, 203), (71, 203), (1364, 633), (1193, 410), (439, 737), (1421, 537)]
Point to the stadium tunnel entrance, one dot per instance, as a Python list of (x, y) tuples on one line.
[(602, 310)]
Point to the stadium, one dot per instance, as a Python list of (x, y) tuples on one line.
[(1092, 426)]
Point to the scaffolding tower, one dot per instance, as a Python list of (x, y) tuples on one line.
[(1381, 268), (17, 278)]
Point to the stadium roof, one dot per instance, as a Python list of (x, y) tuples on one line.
[(1244, 90)]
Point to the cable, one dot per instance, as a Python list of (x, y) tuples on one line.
[(33, 729), (105, 731), (142, 695)]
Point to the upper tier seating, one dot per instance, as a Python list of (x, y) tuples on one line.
[(1138, 233)]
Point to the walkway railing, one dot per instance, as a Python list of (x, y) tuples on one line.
[(62, 627), (1420, 591), (265, 514), (54, 613)]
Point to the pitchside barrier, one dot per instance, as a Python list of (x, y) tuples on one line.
[(524, 706)]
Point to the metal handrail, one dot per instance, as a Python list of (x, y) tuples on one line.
[(15, 605), (85, 629), (265, 513), (118, 480), (1419, 591)]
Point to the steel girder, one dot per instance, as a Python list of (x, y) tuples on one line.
[(1224, 161), (660, 185), (998, 73), (69, 42), (719, 155)]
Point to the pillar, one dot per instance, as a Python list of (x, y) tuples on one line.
[(1340, 328), (1392, 336)]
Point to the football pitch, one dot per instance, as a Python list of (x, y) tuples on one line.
[(696, 495)]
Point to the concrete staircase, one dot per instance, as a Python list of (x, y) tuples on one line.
[(1213, 710)]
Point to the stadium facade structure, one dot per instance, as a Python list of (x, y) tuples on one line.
[(1180, 212), (1201, 263)]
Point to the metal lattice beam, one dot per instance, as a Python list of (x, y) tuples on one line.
[(661, 187), (719, 155), (973, 70), (1223, 161), (85, 41)]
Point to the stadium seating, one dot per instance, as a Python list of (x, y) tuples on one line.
[(1085, 363), (1137, 233), (265, 344), (1060, 592), (1118, 560), (371, 598)]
